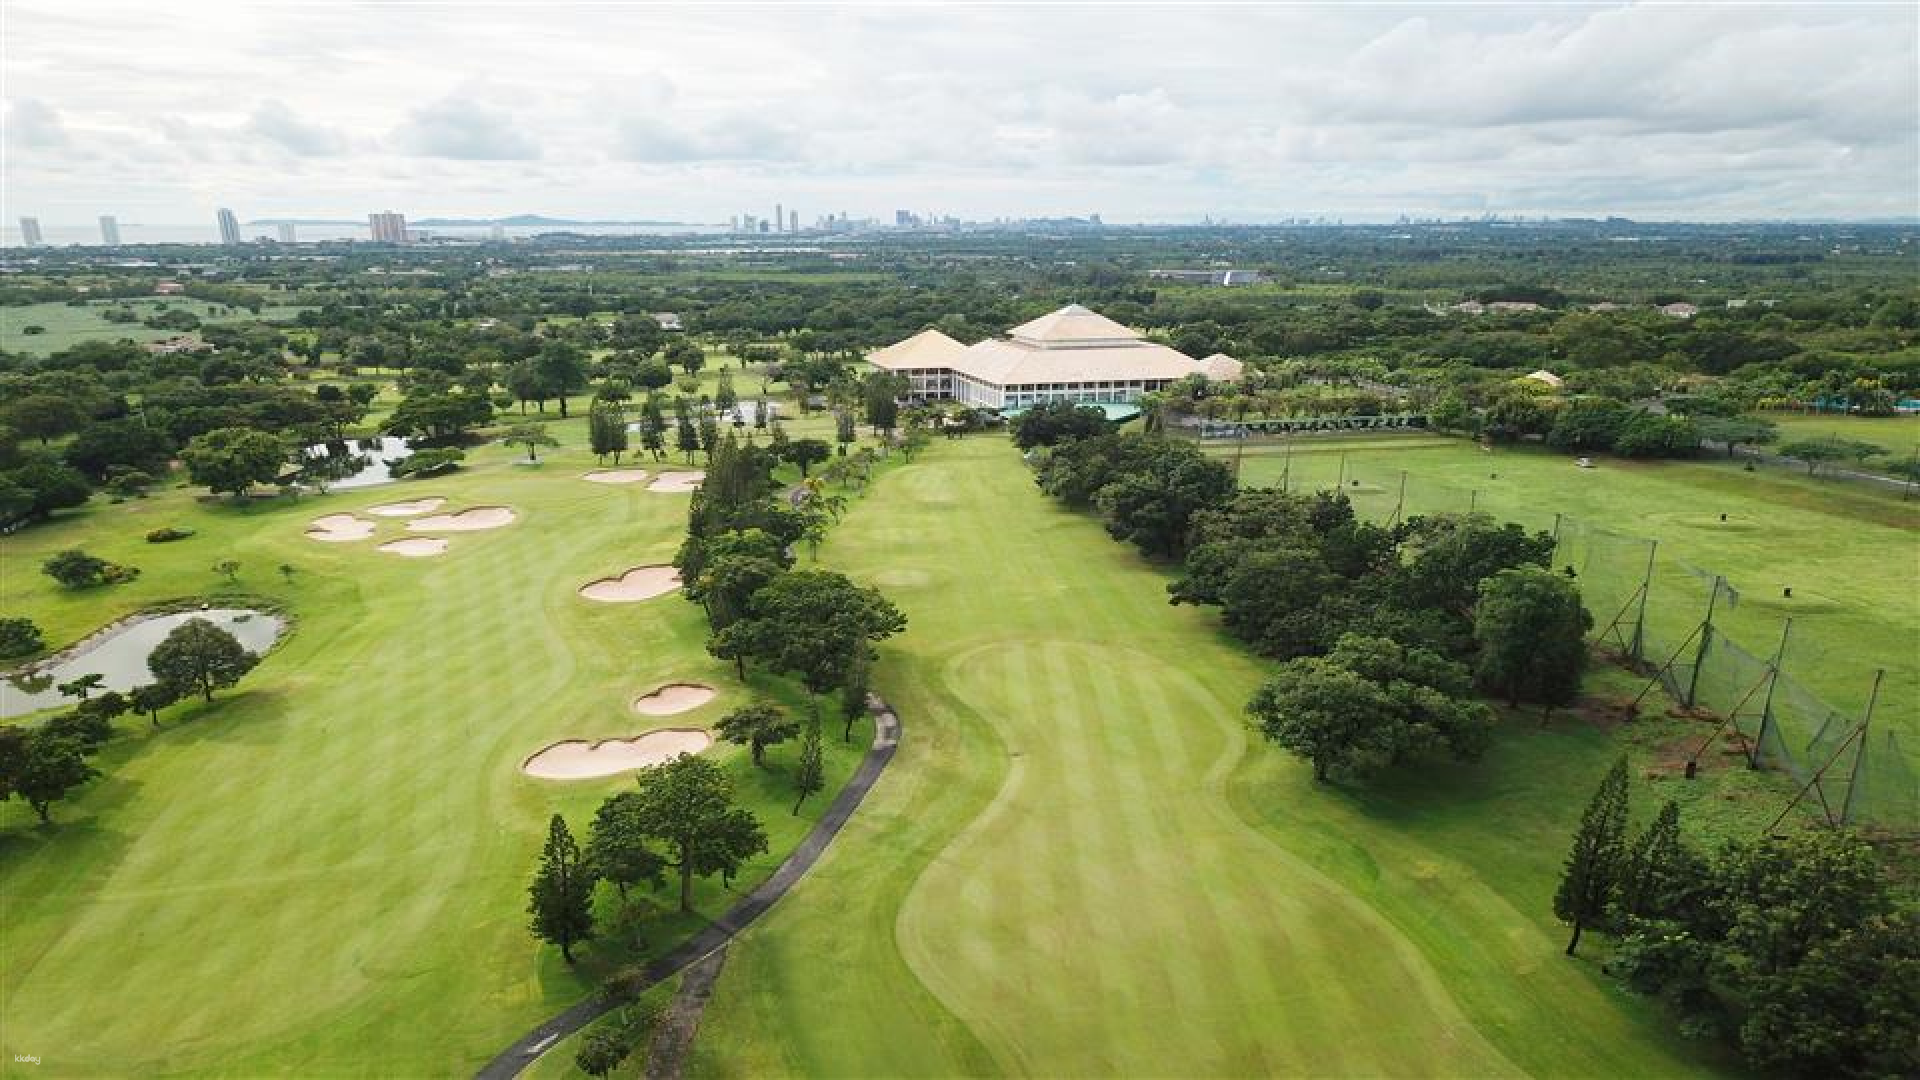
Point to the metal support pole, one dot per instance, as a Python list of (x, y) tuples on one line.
[(1860, 752), (1706, 640), (1766, 703), (1473, 500), (1341, 482), (1640, 616), (1400, 501)]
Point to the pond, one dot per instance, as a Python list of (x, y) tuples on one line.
[(120, 652), (354, 463)]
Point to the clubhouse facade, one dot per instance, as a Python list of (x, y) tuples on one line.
[(1069, 355)]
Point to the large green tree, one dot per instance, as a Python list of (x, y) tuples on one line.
[(687, 807), (617, 845), (1531, 629), (560, 899), (233, 459), (200, 656), (52, 766), (756, 726), (809, 623), (1594, 867)]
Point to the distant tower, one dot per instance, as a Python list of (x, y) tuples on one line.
[(229, 227), (388, 228), (793, 221), (778, 217), (498, 234), (109, 230), (287, 234), (30, 231)]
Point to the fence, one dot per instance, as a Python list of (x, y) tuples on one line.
[(1792, 701)]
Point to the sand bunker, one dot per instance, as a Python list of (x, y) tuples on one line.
[(639, 583), (408, 509), (472, 520), (339, 529), (677, 481), (579, 760), (616, 476), (416, 546), (675, 698)]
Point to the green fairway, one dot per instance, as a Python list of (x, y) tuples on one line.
[(65, 325), (1899, 436), (1082, 862), (324, 872)]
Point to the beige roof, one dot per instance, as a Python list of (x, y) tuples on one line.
[(1073, 327), (1546, 377), (1222, 368), (1020, 363), (926, 349)]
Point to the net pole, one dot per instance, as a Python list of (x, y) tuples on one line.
[(1640, 616), (1341, 481), (1706, 640), (1766, 703), (1400, 500), (1860, 752)]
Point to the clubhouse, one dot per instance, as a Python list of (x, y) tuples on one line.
[(1070, 355)]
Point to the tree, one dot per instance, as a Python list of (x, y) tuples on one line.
[(653, 428), (686, 437), (52, 767), (810, 623), (602, 1051), (1817, 452), (43, 416), (233, 459), (19, 636), (531, 436), (563, 368), (687, 805), (76, 569), (607, 431), (854, 691), (81, 686), (438, 415), (1734, 432), (229, 569), (1593, 868), (1649, 435), (1054, 422), (617, 846), (725, 397), (756, 726), (198, 655), (1659, 869), (560, 900), (688, 355), (1588, 424), (810, 777), (1531, 631), (843, 430), (151, 698), (807, 453), (1370, 702), (38, 488), (526, 382)]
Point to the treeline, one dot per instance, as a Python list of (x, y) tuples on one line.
[(1796, 950), (1388, 632)]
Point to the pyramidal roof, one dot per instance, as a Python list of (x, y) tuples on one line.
[(927, 349), (1072, 325)]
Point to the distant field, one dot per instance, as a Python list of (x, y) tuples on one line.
[(66, 325), (1899, 435), (1848, 553)]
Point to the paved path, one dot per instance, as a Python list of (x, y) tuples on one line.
[(886, 737)]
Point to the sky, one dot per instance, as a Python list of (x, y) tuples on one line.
[(162, 112)]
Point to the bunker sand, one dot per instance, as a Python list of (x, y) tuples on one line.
[(674, 698), (639, 583), (577, 759), (615, 476), (473, 519), (339, 529)]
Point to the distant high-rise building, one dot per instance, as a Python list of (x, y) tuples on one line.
[(388, 228), (109, 230), (498, 234), (793, 221), (779, 217), (30, 231), (287, 234), (229, 227)]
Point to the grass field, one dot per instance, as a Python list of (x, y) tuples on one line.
[(324, 872), (66, 326), (1847, 552), (1083, 862), (1898, 435)]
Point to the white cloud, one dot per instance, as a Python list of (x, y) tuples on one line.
[(1701, 111)]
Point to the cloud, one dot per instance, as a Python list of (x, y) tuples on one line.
[(34, 124), (274, 122), (464, 129), (655, 139)]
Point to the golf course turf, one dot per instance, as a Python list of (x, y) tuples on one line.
[(1084, 862), (325, 870)]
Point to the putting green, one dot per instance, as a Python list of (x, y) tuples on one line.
[(1083, 863)]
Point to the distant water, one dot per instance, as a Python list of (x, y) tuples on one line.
[(121, 657), (133, 234), (358, 463)]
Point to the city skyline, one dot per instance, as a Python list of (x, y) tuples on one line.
[(1154, 114)]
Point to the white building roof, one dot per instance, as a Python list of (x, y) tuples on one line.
[(926, 349), (1073, 326)]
